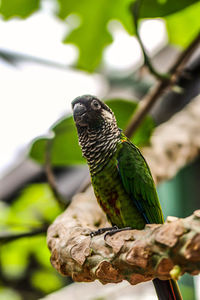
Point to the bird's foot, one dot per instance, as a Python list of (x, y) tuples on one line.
[(111, 232), (103, 230)]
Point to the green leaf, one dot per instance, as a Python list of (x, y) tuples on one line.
[(65, 149), (161, 8), (18, 8), (30, 210), (46, 281), (184, 26), (64, 145), (15, 256), (35, 205), (92, 35)]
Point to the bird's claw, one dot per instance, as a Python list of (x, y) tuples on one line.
[(111, 232), (103, 230)]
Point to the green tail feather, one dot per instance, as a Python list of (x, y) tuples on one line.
[(167, 289)]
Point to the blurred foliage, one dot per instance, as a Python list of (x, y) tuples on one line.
[(18, 8), (9, 294), (34, 208), (27, 260), (64, 145), (162, 8), (183, 34), (91, 35), (39, 280)]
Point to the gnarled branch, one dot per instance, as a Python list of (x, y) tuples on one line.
[(161, 251)]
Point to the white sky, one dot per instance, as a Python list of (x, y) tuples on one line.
[(125, 53), (33, 96)]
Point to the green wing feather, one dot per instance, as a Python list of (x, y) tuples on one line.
[(138, 182)]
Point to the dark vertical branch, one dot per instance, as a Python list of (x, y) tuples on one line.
[(51, 178), (149, 100), (144, 107)]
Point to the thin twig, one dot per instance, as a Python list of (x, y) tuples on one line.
[(51, 178), (149, 100), (185, 55), (135, 8), (144, 106), (11, 237)]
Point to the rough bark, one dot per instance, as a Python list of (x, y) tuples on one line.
[(158, 250), (161, 251)]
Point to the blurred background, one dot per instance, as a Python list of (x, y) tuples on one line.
[(52, 51)]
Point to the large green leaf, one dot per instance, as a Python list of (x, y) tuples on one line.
[(64, 145), (92, 35), (18, 8), (162, 8), (184, 25)]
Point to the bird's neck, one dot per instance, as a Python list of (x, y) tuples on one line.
[(99, 145)]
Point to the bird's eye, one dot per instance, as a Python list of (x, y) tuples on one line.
[(95, 104)]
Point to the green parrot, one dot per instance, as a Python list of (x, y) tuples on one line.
[(121, 178)]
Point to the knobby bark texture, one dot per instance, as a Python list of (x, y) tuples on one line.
[(161, 251)]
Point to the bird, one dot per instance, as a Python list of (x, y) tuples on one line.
[(120, 176)]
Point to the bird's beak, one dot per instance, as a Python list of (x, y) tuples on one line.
[(79, 111)]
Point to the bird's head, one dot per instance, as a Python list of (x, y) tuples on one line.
[(90, 112)]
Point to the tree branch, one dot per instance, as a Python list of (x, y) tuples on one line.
[(149, 100), (156, 251), (9, 237), (161, 251), (51, 178), (135, 9)]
